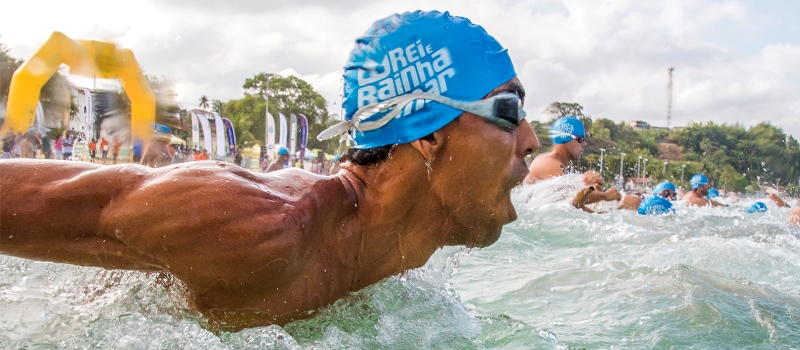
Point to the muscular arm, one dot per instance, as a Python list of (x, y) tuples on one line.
[(132, 217), (52, 210)]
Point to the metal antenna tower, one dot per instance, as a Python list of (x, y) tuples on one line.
[(669, 96)]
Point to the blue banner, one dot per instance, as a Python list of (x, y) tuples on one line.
[(303, 135), (231, 136)]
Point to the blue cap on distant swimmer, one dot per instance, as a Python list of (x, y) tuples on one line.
[(282, 151), (712, 193), (666, 185), (413, 52), (655, 205), (757, 207), (566, 129), (697, 181)]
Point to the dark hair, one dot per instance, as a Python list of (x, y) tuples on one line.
[(368, 156)]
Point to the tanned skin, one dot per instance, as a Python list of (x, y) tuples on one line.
[(697, 197), (257, 249), (156, 155), (552, 164)]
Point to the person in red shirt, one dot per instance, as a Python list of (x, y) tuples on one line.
[(103, 149), (115, 149), (92, 150)]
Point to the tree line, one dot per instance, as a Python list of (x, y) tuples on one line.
[(733, 157)]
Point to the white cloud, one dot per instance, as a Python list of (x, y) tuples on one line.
[(611, 56)]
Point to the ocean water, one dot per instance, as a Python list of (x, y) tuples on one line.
[(558, 278)]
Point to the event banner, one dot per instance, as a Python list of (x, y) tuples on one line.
[(284, 132), (231, 135), (270, 136), (219, 127), (203, 120), (293, 135), (303, 135)]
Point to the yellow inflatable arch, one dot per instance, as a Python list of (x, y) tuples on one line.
[(85, 58)]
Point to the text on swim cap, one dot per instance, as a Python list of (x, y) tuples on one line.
[(403, 69), (565, 128)]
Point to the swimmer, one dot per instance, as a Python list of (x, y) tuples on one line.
[(257, 249), (757, 207), (659, 203), (569, 137), (794, 217), (697, 196), (157, 154), (282, 162)]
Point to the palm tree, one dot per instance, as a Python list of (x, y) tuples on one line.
[(217, 106), (203, 101)]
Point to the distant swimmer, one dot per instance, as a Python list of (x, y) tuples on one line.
[(659, 203), (282, 162), (697, 196), (157, 153), (712, 193), (794, 217), (757, 207), (255, 249), (569, 137)]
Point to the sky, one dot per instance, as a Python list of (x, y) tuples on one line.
[(734, 61)]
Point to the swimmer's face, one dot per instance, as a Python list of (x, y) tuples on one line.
[(576, 148), (703, 190), (474, 173), (669, 194)]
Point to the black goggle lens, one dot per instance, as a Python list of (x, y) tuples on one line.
[(507, 109)]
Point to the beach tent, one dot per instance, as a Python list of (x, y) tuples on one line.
[(174, 140)]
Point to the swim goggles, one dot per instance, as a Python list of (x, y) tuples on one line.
[(503, 110), (556, 133), (670, 194)]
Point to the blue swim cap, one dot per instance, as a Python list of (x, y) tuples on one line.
[(712, 193), (655, 205), (282, 151), (420, 51), (564, 128), (160, 128), (757, 207), (697, 181), (666, 185)]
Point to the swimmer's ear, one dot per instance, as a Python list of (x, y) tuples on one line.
[(429, 145)]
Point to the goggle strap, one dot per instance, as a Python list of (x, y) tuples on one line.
[(397, 104)]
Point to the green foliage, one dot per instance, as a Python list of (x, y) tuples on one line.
[(203, 102), (733, 157), (287, 95), (8, 65)]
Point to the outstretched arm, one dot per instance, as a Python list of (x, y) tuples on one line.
[(52, 210)]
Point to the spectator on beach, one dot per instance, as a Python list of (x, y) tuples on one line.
[(8, 145), (136, 149), (67, 145), (201, 155), (103, 149), (92, 150), (29, 143), (58, 146), (47, 147), (115, 146)]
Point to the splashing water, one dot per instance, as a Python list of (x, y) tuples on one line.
[(557, 278)]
